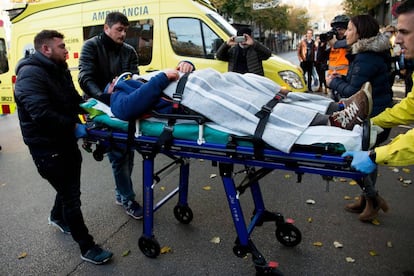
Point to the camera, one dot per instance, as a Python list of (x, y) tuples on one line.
[(239, 39), (328, 35)]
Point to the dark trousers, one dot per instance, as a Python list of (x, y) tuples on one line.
[(321, 70), (307, 67), (62, 169)]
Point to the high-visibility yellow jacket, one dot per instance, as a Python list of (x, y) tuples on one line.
[(400, 151)]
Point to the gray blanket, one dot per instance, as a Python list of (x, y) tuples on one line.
[(232, 100)]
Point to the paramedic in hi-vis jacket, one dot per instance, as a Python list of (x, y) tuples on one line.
[(400, 151), (338, 63)]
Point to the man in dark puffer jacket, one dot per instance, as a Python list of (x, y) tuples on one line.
[(48, 108)]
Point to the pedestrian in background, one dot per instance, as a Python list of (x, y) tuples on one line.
[(321, 63), (48, 108), (306, 56), (338, 63)]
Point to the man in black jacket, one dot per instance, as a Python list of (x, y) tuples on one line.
[(48, 108), (244, 56), (104, 57)]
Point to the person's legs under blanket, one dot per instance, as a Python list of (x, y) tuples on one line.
[(62, 170), (122, 162)]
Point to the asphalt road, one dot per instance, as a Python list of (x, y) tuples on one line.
[(29, 246)]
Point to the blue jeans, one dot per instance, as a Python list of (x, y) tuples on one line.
[(62, 169), (122, 164)]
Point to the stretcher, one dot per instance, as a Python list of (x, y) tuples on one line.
[(224, 152)]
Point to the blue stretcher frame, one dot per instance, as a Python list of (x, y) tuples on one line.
[(180, 151)]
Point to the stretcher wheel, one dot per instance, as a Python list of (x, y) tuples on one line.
[(183, 214), (366, 135), (288, 234), (149, 246), (98, 155), (240, 251)]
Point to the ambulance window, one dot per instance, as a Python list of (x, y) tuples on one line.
[(193, 38), (139, 36), (4, 63)]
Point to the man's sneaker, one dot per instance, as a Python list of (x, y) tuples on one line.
[(134, 209), (356, 109), (59, 224), (97, 255)]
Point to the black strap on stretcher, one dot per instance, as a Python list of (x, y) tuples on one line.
[(166, 136), (263, 116)]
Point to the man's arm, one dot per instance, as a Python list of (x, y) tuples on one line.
[(87, 69), (262, 51), (128, 104), (32, 92), (400, 114), (223, 51)]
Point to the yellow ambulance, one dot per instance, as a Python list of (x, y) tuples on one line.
[(163, 32), (7, 104)]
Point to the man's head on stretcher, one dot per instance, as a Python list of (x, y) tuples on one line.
[(135, 98)]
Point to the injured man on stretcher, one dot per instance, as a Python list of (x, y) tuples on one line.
[(232, 100)]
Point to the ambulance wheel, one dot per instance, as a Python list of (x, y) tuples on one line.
[(149, 246), (288, 234), (183, 214)]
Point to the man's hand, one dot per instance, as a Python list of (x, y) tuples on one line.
[(185, 67), (361, 161), (249, 40), (230, 42), (172, 74)]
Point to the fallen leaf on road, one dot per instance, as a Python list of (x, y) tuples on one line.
[(350, 260), (389, 244), (375, 222), (215, 240), (319, 244), (406, 170), (347, 197), (22, 255), (352, 182), (165, 249), (337, 244), (126, 253), (373, 253), (207, 188), (310, 220)]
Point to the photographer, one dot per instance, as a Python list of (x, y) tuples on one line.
[(338, 63), (243, 53)]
